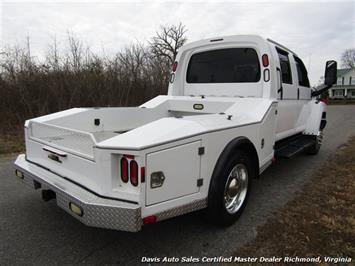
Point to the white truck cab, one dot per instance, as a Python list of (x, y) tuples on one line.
[(234, 104)]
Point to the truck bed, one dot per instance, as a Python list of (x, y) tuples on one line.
[(79, 130), (85, 145)]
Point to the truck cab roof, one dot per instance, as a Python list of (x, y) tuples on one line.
[(238, 69)]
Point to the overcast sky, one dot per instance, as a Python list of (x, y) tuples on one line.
[(315, 30)]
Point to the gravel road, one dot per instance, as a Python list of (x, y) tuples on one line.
[(33, 232)]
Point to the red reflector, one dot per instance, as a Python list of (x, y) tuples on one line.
[(142, 174), (324, 100), (149, 219), (129, 156), (175, 66), (265, 60), (133, 167), (124, 169)]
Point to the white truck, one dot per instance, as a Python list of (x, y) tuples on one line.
[(234, 104)]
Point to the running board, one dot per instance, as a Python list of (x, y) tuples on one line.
[(291, 146)]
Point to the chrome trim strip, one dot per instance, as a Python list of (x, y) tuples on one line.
[(183, 209)]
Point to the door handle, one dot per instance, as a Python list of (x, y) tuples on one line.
[(280, 90), (54, 151)]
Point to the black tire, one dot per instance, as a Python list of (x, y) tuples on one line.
[(314, 149), (217, 211)]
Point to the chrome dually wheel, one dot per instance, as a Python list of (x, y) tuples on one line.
[(236, 188), (230, 186)]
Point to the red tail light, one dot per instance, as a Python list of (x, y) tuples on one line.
[(133, 167), (265, 60), (142, 174), (175, 66), (124, 169), (150, 219)]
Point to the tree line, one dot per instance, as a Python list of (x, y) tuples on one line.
[(78, 77)]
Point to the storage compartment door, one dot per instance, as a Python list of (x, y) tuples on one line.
[(180, 168)]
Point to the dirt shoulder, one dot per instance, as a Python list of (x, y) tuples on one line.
[(320, 221)]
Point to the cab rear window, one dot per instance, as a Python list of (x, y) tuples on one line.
[(224, 66)]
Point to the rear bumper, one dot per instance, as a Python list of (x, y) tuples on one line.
[(96, 211)]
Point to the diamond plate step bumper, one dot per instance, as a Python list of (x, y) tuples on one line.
[(97, 211)]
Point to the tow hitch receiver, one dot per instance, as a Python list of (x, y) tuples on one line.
[(48, 195)]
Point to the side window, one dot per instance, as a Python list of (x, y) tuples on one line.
[(285, 66), (302, 73)]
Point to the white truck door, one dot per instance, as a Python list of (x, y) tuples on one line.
[(172, 173), (304, 91), (303, 82), (288, 103)]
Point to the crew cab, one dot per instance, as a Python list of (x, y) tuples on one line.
[(234, 104)]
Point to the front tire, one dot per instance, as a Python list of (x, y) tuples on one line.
[(229, 189), (314, 149)]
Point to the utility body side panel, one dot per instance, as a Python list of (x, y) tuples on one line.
[(214, 143), (181, 168)]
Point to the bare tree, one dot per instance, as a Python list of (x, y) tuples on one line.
[(348, 58), (132, 61), (77, 76), (168, 40), (52, 57), (75, 52)]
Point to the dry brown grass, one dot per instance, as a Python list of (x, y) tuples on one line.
[(75, 76), (320, 221), (10, 144)]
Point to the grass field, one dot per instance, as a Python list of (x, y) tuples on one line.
[(320, 221)]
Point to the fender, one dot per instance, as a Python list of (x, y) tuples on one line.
[(239, 143), (316, 117)]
